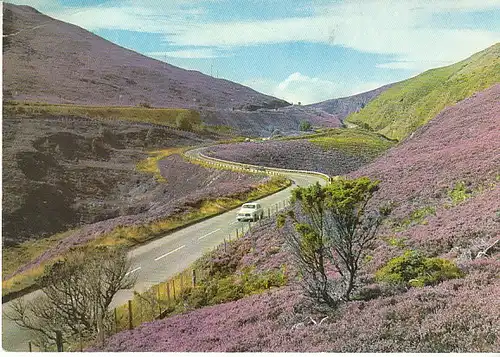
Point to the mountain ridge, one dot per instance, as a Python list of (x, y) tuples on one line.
[(131, 79)]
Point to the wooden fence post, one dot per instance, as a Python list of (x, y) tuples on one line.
[(59, 342), (80, 338), (29, 346), (158, 298), (140, 311), (193, 272), (268, 212), (173, 287), (130, 324), (236, 233), (168, 291), (116, 320), (249, 225), (225, 245)]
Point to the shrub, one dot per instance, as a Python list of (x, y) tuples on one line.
[(183, 121), (223, 290), (414, 269), (305, 126), (145, 105), (331, 224)]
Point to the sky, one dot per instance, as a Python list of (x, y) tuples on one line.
[(298, 50)]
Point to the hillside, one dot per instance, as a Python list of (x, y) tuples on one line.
[(47, 60), (407, 105), (342, 107), (444, 184)]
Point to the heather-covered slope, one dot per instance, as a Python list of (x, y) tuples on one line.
[(67, 181), (51, 61), (61, 173), (460, 315), (460, 144), (336, 153), (407, 105)]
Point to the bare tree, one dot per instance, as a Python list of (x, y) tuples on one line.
[(77, 292), (329, 231)]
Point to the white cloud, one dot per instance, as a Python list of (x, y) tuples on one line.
[(187, 53), (297, 87), (386, 27), (404, 29), (301, 88)]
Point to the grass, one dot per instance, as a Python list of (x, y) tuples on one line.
[(160, 116), (150, 164), (459, 193), (353, 141), (21, 254), (128, 236), (406, 106), (416, 217)]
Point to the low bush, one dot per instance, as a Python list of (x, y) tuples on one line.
[(183, 121), (305, 126), (414, 269), (221, 288), (459, 193)]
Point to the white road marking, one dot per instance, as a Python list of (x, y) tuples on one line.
[(234, 223), (132, 271), (206, 235), (173, 251)]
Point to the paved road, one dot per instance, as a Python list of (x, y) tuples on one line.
[(162, 258)]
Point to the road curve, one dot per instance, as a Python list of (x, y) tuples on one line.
[(164, 257)]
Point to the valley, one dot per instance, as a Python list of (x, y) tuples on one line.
[(108, 150)]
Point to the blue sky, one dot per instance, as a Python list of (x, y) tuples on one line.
[(298, 50)]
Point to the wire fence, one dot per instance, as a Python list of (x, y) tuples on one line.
[(161, 299)]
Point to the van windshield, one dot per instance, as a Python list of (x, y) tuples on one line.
[(248, 206)]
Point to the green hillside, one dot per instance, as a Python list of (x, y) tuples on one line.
[(410, 104)]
